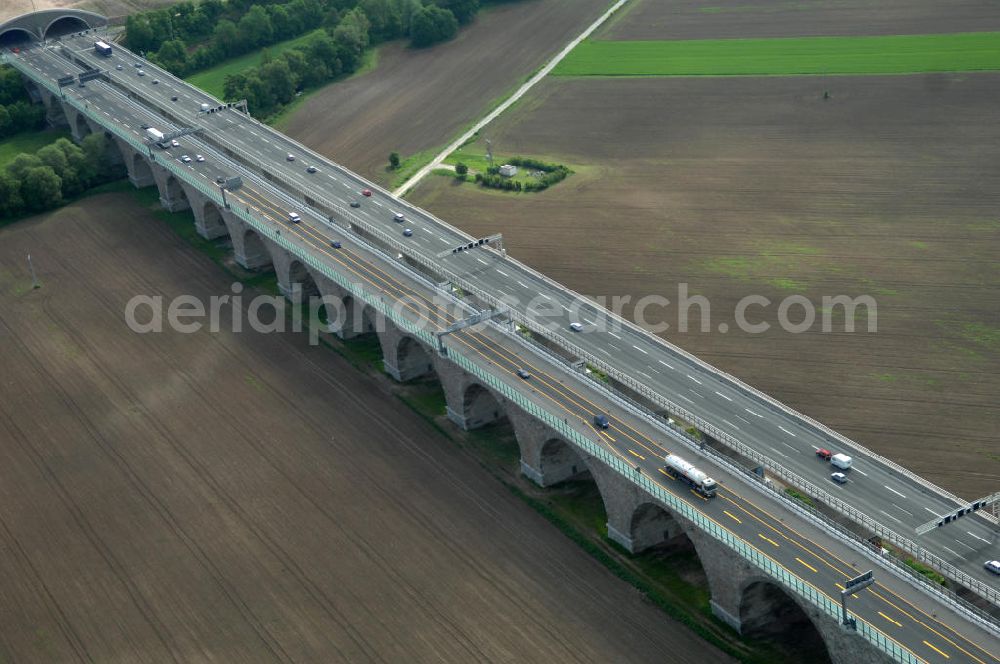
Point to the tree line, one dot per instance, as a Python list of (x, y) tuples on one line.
[(57, 172), (188, 37), (551, 174), (17, 113)]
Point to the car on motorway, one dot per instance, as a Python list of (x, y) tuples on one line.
[(824, 454), (408, 232), (839, 478), (294, 217), (174, 143), (355, 204), (145, 125), (398, 217), (199, 158), (335, 244), (137, 65), (220, 180), (310, 169), (992, 566), (173, 98), (576, 327), (140, 72), (156, 81), (290, 157), (523, 374), (118, 67), (601, 421), (366, 192), (186, 159)]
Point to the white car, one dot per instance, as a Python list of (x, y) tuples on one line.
[(398, 216), (174, 143), (839, 478), (198, 158), (576, 327), (993, 566), (186, 159)]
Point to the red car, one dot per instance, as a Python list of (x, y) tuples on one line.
[(366, 192), (824, 454)]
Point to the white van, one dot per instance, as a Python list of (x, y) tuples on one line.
[(841, 461), (294, 217)]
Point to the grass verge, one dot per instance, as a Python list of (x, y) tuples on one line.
[(28, 141), (892, 54), (213, 79)]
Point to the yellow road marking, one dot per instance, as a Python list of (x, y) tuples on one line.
[(852, 594), (768, 539), (695, 493), (608, 436), (937, 650), (897, 624), (803, 562), (634, 453), (731, 516)]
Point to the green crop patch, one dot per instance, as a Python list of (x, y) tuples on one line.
[(894, 54)]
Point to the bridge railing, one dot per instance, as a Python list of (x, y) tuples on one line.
[(268, 230), (825, 603), (814, 516)]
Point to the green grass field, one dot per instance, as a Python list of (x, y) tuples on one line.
[(895, 54), (212, 80), (28, 141)]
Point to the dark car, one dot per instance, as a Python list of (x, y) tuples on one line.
[(335, 244), (220, 179), (523, 373), (408, 232), (366, 192), (355, 204), (173, 98), (145, 125), (601, 421), (310, 169)]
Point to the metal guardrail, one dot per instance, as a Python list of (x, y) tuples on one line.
[(768, 565), (817, 518), (819, 599)]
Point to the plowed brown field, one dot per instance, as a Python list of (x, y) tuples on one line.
[(420, 99), (743, 186), (248, 498), (748, 19)]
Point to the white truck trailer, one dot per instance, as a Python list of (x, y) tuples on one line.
[(698, 480)]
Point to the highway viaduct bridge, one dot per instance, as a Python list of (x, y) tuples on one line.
[(771, 564)]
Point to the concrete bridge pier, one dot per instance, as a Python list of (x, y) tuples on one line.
[(172, 195), (55, 113), (470, 404), (403, 356), (546, 459), (250, 250), (140, 173)]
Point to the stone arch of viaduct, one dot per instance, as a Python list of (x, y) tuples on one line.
[(740, 596)]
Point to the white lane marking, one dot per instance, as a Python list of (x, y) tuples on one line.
[(502, 272), (605, 352), (614, 335), (723, 396), (700, 396), (977, 537), (643, 373), (545, 296), (445, 240), (522, 284), (965, 545), (860, 471), (377, 203), (780, 453), (788, 446), (952, 551), (901, 509), (565, 307), (743, 418), (731, 424), (685, 398), (481, 261), (786, 431), (615, 347), (639, 349), (894, 491), (933, 512), (694, 379), (890, 516), (752, 413)]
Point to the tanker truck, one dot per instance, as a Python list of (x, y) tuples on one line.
[(680, 469)]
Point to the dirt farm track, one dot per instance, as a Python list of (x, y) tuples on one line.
[(248, 498)]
